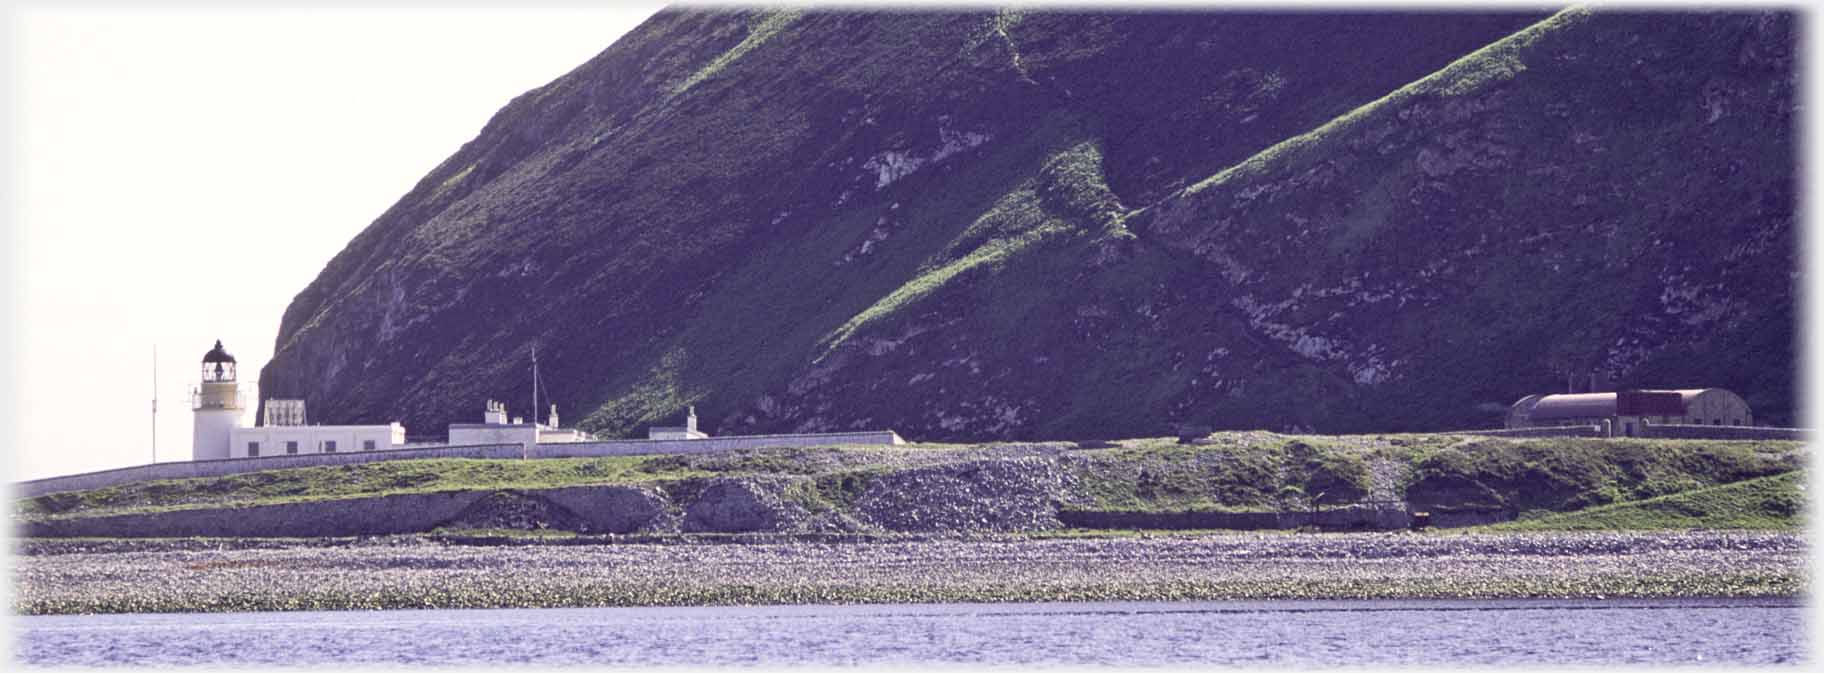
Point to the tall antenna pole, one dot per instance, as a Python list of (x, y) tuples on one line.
[(154, 403), (534, 384)]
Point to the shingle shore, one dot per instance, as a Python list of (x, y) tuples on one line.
[(416, 573)]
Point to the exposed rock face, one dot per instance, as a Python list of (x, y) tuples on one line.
[(741, 506), (1018, 494), (1043, 225), (510, 510), (615, 509)]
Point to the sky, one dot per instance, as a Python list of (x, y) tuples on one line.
[(178, 175)]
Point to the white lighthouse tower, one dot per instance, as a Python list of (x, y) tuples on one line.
[(217, 403)]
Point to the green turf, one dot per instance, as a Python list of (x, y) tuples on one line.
[(1766, 503), (1558, 482)]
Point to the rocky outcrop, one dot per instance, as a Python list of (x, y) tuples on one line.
[(742, 506), (515, 511), (1018, 494), (613, 509)]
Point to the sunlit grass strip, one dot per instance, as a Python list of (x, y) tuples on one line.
[(988, 255), (758, 34), (1070, 182), (1481, 68)]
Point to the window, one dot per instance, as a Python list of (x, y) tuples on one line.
[(253, 449), (291, 447), (1718, 422), (1735, 421), (329, 446), (367, 445)]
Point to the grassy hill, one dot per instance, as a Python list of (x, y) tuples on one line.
[(1030, 225)]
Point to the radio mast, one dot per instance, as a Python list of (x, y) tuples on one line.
[(154, 403)]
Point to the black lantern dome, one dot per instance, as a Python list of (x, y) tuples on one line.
[(218, 365)]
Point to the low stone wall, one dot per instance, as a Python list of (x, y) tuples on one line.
[(1566, 431), (1379, 517), (627, 447), (1188, 520), (1469, 517), (1721, 432), (218, 468)]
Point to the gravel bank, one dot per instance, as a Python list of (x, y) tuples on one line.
[(416, 573)]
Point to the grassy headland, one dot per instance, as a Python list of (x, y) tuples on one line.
[(1545, 483), (1584, 518)]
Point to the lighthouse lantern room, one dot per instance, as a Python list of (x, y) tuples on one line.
[(217, 405)]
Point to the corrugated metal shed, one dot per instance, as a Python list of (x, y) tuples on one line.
[(1649, 403), (1581, 405), (1604, 405)]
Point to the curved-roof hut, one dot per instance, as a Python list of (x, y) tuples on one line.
[(1688, 406)]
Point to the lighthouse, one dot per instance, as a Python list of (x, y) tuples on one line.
[(217, 404)]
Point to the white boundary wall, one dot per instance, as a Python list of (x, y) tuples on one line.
[(635, 447), (622, 447)]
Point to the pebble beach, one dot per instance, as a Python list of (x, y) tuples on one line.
[(407, 572)]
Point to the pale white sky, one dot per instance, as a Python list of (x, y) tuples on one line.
[(178, 175)]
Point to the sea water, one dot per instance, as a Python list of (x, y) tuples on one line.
[(1299, 633)]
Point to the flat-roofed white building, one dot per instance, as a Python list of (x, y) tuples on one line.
[(291, 440), (284, 430), (494, 428)]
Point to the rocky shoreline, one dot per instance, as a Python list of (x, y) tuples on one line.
[(405, 572)]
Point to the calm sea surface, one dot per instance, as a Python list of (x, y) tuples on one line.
[(1278, 632)]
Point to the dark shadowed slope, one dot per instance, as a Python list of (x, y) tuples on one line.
[(978, 224)]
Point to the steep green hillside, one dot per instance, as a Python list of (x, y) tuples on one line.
[(1598, 193), (1045, 224)]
